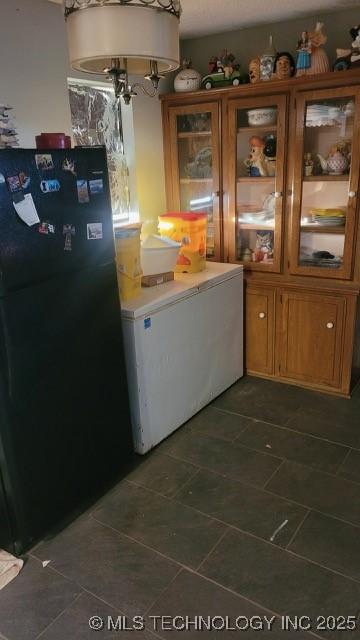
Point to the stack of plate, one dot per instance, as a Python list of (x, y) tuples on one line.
[(318, 115), (329, 217)]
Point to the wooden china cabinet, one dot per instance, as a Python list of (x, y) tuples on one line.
[(292, 220)]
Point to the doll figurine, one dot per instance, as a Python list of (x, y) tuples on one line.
[(284, 66), (255, 162), (303, 61), (254, 70), (319, 59)]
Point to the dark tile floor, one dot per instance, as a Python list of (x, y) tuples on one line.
[(195, 530)]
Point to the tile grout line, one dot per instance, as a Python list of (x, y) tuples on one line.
[(289, 428), (186, 483), (194, 571), (273, 474), (273, 455), (58, 616), (213, 548), (301, 464), (267, 491), (182, 567), (96, 597), (234, 528), (242, 596), (342, 463), (147, 611), (297, 530)]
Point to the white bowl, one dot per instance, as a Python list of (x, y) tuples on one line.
[(158, 255), (260, 117)]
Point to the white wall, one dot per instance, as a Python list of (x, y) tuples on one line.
[(34, 67), (33, 79)]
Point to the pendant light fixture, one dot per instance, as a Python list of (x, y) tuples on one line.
[(119, 38)]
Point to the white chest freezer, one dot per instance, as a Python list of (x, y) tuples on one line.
[(183, 347)]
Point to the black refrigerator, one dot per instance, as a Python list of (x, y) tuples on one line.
[(65, 432)]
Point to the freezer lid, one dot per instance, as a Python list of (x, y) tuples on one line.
[(185, 285), (214, 274), (154, 299)]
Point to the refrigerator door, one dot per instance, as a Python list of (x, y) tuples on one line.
[(6, 538), (66, 432), (83, 198)]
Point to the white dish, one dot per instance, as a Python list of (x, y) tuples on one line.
[(261, 117)]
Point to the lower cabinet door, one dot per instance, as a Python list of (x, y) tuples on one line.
[(259, 329), (312, 337)]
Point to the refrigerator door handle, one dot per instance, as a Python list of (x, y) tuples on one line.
[(4, 351)]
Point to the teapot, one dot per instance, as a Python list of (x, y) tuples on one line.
[(336, 162)]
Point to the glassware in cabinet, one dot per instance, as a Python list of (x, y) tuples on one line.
[(256, 179), (195, 166), (326, 181)]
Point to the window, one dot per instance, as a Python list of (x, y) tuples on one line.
[(96, 119)]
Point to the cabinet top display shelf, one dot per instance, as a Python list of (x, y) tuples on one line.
[(303, 83)]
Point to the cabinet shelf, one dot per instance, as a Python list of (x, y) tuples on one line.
[(344, 177), (270, 129), (195, 180), (254, 179), (253, 226), (194, 134), (318, 228)]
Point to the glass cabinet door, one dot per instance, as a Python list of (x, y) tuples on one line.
[(195, 166), (256, 170), (325, 182)]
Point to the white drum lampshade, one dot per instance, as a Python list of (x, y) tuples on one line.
[(135, 32)]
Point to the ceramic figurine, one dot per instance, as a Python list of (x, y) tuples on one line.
[(254, 70), (347, 58), (308, 164), (284, 66), (256, 162), (337, 161), (223, 71), (267, 60), (319, 62), (187, 79), (264, 246), (270, 155), (303, 61)]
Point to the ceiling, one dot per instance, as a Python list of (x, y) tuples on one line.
[(204, 17)]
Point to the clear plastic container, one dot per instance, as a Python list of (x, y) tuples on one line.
[(158, 255)]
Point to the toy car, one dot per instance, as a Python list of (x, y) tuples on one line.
[(218, 79)]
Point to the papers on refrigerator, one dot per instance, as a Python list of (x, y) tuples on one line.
[(26, 210)]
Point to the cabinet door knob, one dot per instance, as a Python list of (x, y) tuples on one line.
[(352, 194), (330, 325), (278, 194), (262, 315)]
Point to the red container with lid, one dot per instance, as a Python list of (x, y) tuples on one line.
[(53, 141)]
